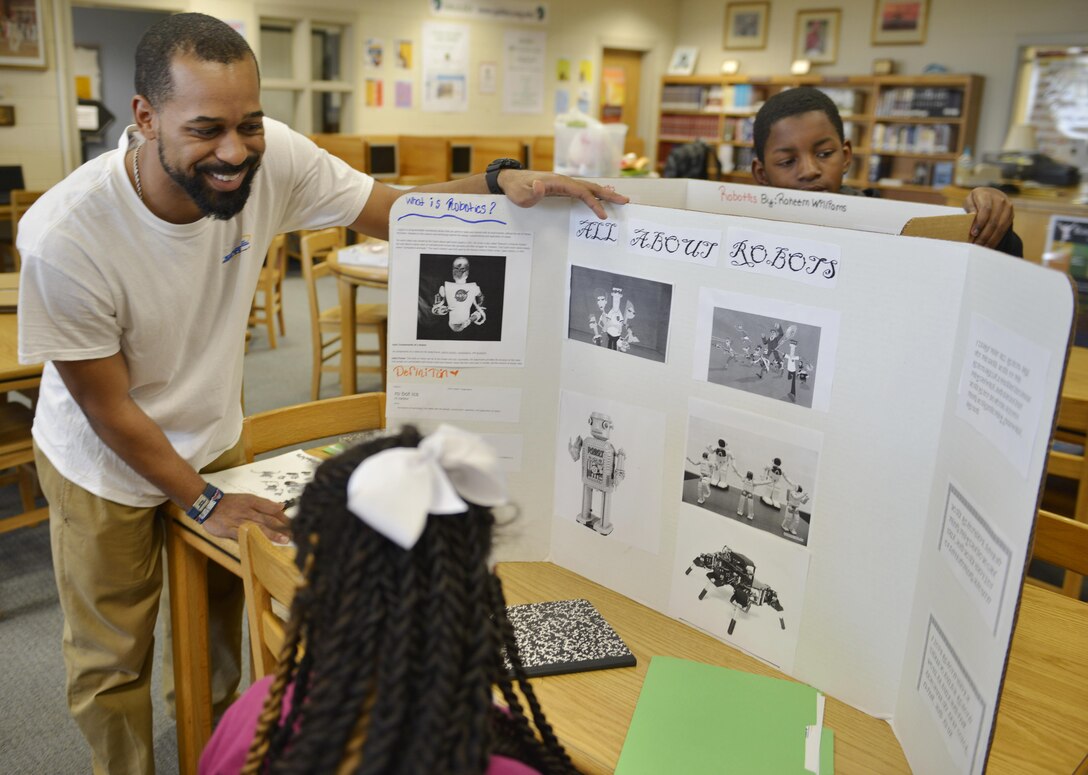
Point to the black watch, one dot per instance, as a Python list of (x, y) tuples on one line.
[(493, 170)]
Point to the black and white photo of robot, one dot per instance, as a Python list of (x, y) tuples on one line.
[(763, 355), (602, 471), (762, 481), (733, 569), (619, 312), (460, 297)]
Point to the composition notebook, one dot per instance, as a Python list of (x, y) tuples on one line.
[(565, 636)]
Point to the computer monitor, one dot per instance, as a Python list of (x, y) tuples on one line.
[(460, 160), (11, 179), (382, 159)]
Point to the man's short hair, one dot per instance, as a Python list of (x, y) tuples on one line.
[(789, 103), (188, 34)]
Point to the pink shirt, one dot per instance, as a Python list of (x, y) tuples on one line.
[(226, 751)]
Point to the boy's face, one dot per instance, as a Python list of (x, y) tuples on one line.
[(803, 152)]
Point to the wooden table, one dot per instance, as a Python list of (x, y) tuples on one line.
[(1042, 724), (349, 278), (13, 375)]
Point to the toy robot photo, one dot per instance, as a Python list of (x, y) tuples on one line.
[(775, 476), (706, 468), (795, 499), (727, 567), (461, 300), (748, 485), (720, 460), (602, 471)]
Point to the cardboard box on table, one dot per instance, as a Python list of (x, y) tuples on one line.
[(928, 418)]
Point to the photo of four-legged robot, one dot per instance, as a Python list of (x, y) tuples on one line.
[(729, 568)]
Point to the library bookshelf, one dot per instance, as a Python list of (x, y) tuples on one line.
[(906, 131)]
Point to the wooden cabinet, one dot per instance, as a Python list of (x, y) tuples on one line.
[(906, 129)]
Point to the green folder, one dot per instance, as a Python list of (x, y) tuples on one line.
[(696, 718)]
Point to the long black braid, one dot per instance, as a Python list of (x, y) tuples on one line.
[(392, 654)]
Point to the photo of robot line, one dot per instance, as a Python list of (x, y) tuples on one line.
[(619, 312), (460, 297), (764, 355), (759, 481)]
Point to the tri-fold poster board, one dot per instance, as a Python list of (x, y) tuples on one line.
[(761, 412)]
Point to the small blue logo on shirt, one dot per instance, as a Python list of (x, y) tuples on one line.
[(241, 247)]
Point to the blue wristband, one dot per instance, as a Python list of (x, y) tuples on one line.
[(205, 504)]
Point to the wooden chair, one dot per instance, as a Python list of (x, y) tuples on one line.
[(1061, 541), (542, 153), (267, 306), (270, 587), (20, 203), (17, 453), (350, 148), (1067, 460), (487, 149), (325, 323), (269, 581), (423, 160)]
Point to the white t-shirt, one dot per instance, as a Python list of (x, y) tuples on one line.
[(102, 274)]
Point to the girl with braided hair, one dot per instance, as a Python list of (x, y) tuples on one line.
[(396, 637)]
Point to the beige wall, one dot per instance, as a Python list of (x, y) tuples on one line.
[(47, 149), (966, 36), (978, 36)]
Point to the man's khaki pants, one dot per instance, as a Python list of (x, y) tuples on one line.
[(107, 559)]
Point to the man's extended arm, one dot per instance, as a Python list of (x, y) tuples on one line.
[(523, 187), (101, 388)]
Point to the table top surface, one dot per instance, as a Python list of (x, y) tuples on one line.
[(358, 275), (1042, 723)]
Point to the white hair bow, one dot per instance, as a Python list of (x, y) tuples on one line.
[(394, 490)]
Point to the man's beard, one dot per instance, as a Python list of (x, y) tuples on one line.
[(222, 205)]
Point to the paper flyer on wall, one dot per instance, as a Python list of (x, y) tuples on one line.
[(821, 445)]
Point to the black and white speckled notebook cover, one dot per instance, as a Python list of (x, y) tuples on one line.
[(566, 636)]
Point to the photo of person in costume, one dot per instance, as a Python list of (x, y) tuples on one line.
[(461, 297)]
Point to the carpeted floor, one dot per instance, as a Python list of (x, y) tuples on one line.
[(37, 736)]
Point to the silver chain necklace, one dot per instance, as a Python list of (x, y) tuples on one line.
[(136, 171)]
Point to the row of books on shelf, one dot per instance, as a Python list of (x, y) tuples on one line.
[(918, 102), (913, 138), (712, 99), (738, 130), (689, 126)]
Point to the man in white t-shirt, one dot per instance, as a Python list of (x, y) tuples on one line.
[(138, 274)]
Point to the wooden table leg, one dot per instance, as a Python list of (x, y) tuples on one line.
[(188, 570), (347, 337)]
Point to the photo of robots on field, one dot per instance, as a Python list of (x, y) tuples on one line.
[(608, 461), (761, 346), (619, 312), (741, 586), (751, 470)]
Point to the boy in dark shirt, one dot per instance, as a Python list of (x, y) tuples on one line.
[(800, 144)]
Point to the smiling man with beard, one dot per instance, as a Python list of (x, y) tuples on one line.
[(138, 274)]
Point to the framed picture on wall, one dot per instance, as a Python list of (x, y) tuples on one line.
[(21, 40), (817, 36), (900, 21), (683, 60), (746, 25)]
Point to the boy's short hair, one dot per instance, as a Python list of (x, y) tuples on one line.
[(788, 103)]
